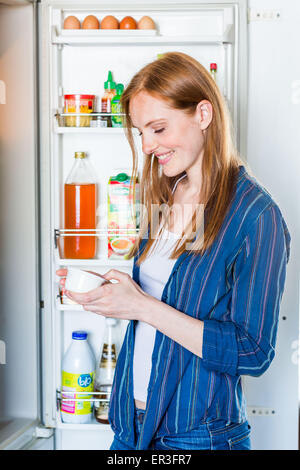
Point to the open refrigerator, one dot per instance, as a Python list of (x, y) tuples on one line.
[(66, 62)]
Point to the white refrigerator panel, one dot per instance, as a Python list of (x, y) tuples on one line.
[(273, 155)]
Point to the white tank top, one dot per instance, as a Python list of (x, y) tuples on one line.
[(154, 274)]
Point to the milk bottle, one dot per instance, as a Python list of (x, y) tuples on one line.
[(78, 370)]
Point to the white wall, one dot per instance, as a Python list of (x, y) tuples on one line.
[(274, 157)]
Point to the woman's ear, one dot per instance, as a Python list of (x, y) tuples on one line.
[(204, 114)]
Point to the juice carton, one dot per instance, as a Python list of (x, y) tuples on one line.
[(122, 215)]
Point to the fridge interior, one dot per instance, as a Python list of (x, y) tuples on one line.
[(78, 61)]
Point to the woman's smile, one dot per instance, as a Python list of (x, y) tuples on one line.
[(164, 158)]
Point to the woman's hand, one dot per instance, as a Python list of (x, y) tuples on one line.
[(124, 299)]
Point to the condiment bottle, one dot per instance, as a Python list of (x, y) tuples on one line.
[(109, 93), (117, 121), (80, 209), (213, 71), (105, 370)]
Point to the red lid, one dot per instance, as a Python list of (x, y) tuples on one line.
[(213, 66), (79, 97)]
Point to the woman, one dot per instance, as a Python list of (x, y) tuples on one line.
[(204, 298)]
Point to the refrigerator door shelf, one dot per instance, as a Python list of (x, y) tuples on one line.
[(105, 262), (143, 40), (66, 306), (138, 37), (93, 425), (101, 33), (88, 130), (59, 128)]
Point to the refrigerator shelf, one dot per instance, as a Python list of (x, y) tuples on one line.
[(60, 398), (93, 425), (103, 262), (67, 307), (88, 130), (60, 128), (134, 37)]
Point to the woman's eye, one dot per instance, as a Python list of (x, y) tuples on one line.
[(157, 131)]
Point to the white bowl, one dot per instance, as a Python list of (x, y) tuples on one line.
[(79, 280)]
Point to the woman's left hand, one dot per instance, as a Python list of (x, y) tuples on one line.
[(124, 300)]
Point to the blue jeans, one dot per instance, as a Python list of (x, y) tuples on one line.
[(214, 435)]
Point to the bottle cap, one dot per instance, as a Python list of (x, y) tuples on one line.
[(122, 177), (80, 155), (213, 66), (119, 88), (79, 335), (109, 84)]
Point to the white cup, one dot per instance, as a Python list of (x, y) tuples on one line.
[(79, 280)]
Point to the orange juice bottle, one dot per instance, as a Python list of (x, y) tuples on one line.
[(80, 209)]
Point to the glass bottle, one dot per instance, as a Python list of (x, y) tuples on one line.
[(80, 195), (105, 370)]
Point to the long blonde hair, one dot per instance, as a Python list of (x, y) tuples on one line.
[(183, 82)]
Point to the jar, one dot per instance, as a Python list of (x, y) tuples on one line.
[(78, 104)]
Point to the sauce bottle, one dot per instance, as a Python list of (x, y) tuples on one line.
[(116, 106), (213, 70), (105, 370), (109, 93), (80, 194)]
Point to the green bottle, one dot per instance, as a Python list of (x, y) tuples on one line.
[(116, 106)]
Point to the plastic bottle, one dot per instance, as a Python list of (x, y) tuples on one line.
[(78, 371), (123, 202), (105, 370), (116, 106), (80, 209), (109, 93), (213, 70)]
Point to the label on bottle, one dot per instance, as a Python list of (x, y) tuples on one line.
[(102, 406), (77, 383), (109, 356), (116, 108)]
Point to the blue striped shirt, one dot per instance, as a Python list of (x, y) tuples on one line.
[(235, 288)]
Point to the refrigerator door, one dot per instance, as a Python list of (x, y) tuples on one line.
[(78, 61), (19, 312)]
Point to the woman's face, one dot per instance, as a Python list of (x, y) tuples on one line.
[(175, 138)]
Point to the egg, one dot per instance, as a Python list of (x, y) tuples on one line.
[(90, 22), (71, 22), (128, 23), (146, 23), (109, 22)]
